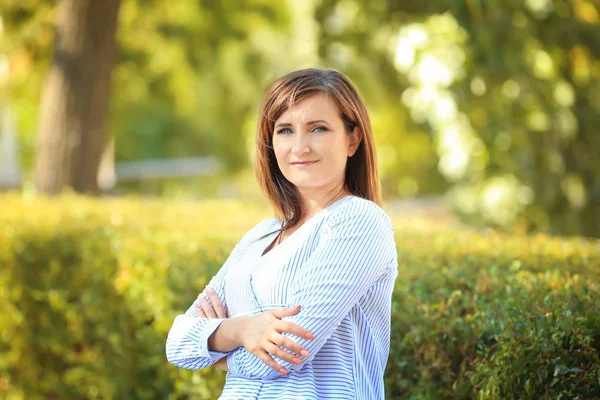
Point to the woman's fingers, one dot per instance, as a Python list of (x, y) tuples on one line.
[(216, 303), (208, 310), (263, 338), (198, 310), (286, 312), (286, 343), (285, 326), (276, 351), (214, 309), (266, 358)]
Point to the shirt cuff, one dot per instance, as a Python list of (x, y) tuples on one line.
[(231, 364), (211, 325)]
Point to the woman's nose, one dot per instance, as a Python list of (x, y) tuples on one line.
[(301, 143)]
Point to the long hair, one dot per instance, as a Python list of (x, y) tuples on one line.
[(362, 177)]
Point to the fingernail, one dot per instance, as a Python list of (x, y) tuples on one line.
[(297, 306), (283, 371), (309, 336), (296, 360), (304, 353), (209, 289)]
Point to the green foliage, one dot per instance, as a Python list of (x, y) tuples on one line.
[(491, 316), (26, 36), (88, 292), (508, 90), (89, 289), (189, 77), (497, 101)]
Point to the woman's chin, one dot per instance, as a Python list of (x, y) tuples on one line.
[(307, 185)]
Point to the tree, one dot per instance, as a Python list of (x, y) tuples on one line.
[(75, 103)]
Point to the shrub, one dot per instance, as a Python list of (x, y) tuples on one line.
[(89, 289), (490, 316)]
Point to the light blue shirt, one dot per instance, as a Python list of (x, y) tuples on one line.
[(340, 266)]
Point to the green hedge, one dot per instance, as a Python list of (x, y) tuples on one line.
[(89, 289)]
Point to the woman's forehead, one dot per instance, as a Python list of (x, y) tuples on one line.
[(318, 106)]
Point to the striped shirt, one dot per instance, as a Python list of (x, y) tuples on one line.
[(340, 266)]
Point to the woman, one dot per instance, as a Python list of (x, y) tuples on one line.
[(301, 308)]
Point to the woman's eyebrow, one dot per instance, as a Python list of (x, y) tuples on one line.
[(282, 124), (287, 124), (318, 121)]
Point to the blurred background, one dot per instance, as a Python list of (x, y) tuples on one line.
[(137, 118), (488, 109)]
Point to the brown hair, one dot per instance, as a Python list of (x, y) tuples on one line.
[(362, 178)]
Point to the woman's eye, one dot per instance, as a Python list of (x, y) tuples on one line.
[(315, 129)]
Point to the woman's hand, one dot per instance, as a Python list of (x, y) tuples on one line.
[(262, 333), (205, 310), (263, 337), (217, 310)]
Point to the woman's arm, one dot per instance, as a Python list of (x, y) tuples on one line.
[(187, 342), (214, 309), (262, 335), (227, 336), (244, 330), (259, 334), (196, 342), (356, 252), (221, 364)]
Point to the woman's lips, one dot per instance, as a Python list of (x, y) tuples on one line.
[(304, 164)]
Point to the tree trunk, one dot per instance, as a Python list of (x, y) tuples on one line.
[(75, 103)]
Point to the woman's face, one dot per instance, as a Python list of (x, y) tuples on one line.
[(311, 144)]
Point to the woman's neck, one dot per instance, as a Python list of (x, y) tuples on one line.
[(311, 206)]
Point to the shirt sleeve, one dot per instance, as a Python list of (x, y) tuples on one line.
[(355, 253), (187, 341)]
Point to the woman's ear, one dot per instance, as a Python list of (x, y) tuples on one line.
[(355, 139)]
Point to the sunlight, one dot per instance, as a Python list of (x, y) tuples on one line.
[(543, 67), (572, 187), (416, 35), (511, 89), (4, 69), (432, 58), (454, 164), (564, 94), (539, 7), (431, 70), (454, 151), (538, 121), (410, 39), (498, 197), (445, 108), (405, 55), (478, 86)]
